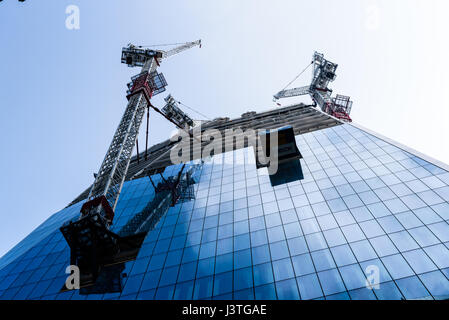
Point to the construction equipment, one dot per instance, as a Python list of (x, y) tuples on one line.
[(323, 74), (91, 242)]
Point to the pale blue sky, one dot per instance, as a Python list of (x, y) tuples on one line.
[(62, 92)]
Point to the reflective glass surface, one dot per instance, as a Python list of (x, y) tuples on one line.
[(365, 209)]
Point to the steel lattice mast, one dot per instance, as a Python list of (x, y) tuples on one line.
[(93, 245), (111, 176)]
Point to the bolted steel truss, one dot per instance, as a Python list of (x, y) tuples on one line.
[(110, 178)]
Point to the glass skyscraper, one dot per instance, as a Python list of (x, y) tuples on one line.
[(367, 220)]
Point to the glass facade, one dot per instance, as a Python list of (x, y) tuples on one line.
[(366, 211)]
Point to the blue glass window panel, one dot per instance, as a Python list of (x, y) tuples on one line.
[(240, 215), (209, 235), (412, 288), (184, 291), (297, 246), (194, 238), (173, 258), (156, 262), (327, 222), (360, 186), (190, 254), (353, 276), (140, 266), (385, 193), (436, 283), (403, 241), (224, 246), (223, 283), (259, 238), (271, 207), (383, 246), (344, 218), (427, 215), (276, 234), (363, 250), (273, 220), (388, 291), (362, 294), (224, 263), (39, 289), (24, 292), (266, 292), (316, 241), (226, 218), (289, 216), (205, 267), (247, 294), (423, 236), (196, 225), (330, 194), (396, 206), (419, 261), (303, 264), (339, 296), (169, 276), (309, 287), (337, 205), (321, 209), (343, 255), (361, 214), (334, 237), (241, 242), (439, 255), (372, 229), (287, 290), (331, 282), (257, 223), (279, 250), (243, 278), (323, 260), (132, 284), (292, 230), (151, 280), (241, 227), (442, 209), (283, 269), (261, 254), (353, 233), (345, 190), (441, 230), (390, 224), (208, 250), (310, 226), (186, 272), (242, 259), (305, 213), (203, 288), (177, 243), (352, 201), (263, 274), (397, 266)]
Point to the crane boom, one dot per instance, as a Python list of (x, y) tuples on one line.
[(292, 92), (323, 74), (181, 48)]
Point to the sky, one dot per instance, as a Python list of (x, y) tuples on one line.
[(62, 91)]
